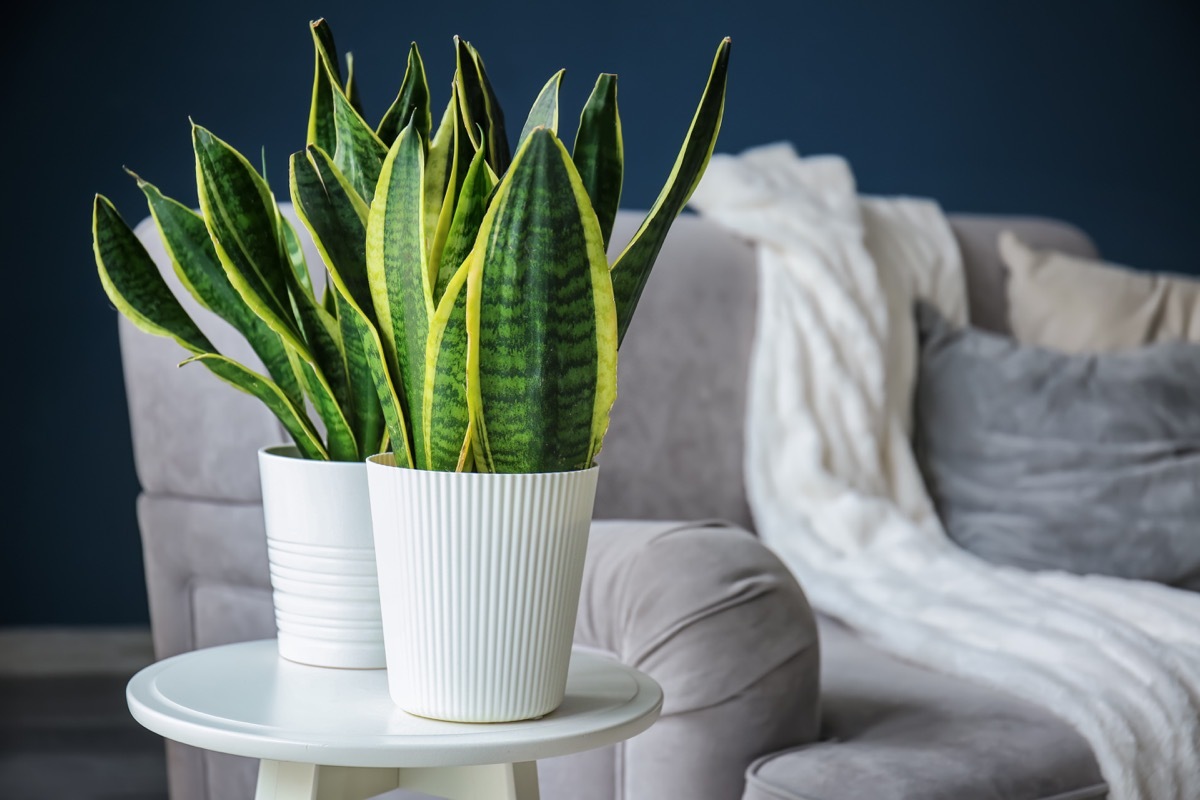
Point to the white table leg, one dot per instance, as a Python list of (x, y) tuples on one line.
[(288, 780), (486, 782)]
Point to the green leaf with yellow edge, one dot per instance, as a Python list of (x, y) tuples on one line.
[(359, 153), (632, 267), (135, 286), (339, 436), (133, 283), (399, 276), (479, 107), (439, 164), (599, 152), (307, 439), (544, 112), (324, 373), (447, 414), (321, 128), (353, 93), (368, 420), (295, 252), (195, 261), (242, 221), (335, 122), (336, 218), (245, 227), (542, 355), (462, 153), (411, 103), (329, 301), (468, 216)]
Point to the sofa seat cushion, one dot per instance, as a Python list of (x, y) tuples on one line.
[(895, 731)]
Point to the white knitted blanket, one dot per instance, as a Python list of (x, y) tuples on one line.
[(836, 493)]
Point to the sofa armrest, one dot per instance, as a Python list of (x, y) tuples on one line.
[(712, 615)]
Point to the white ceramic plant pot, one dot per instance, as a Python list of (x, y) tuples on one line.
[(322, 559), (479, 579)]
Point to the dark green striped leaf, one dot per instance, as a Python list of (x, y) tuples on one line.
[(353, 94), (412, 102), (244, 224), (133, 283), (632, 267), (385, 388), (359, 153), (330, 208), (399, 275), (336, 124), (468, 215), (135, 286), (367, 419), (462, 152), (329, 406), (336, 217), (323, 373), (297, 424), (544, 112), (439, 166), (542, 320), (479, 108), (195, 261), (447, 414), (329, 301), (241, 217), (599, 152), (295, 252), (321, 129)]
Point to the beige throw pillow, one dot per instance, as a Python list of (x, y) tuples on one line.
[(1079, 305)]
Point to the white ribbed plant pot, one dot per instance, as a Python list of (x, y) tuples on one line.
[(322, 558), (479, 579)]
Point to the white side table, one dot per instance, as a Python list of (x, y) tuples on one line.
[(323, 734)]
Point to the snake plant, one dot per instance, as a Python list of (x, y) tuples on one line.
[(466, 315)]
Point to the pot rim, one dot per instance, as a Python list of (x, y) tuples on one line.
[(376, 460), (291, 454)]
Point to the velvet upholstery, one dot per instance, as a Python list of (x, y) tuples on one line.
[(987, 277), (692, 635), (706, 610), (895, 731), (1050, 460)]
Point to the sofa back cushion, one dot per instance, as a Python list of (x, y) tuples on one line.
[(1087, 305), (674, 449), (987, 276)]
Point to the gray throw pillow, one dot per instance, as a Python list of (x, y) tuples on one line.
[(1046, 460)]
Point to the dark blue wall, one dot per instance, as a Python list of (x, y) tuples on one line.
[(1084, 111)]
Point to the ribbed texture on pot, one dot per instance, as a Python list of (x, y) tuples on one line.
[(327, 602), (321, 555), (479, 582)]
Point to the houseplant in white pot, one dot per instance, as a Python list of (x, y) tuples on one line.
[(493, 330), (240, 257), (475, 299)]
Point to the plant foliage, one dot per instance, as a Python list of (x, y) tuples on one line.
[(466, 315)]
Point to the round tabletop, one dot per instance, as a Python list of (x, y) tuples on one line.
[(245, 700)]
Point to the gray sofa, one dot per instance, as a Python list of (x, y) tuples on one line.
[(764, 699)]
